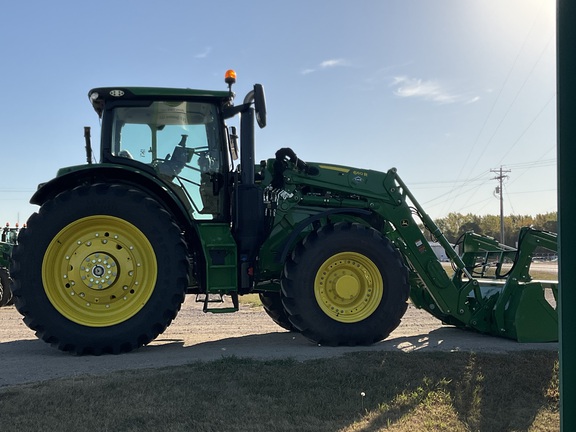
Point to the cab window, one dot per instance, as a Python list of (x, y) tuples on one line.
[(181, 141)]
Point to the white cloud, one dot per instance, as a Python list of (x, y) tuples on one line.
[(332, 63), (325, 65), (204, 53), (430, 90), (472, 100)]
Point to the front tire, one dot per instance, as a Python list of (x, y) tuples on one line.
[(100, 269), (345, 285)]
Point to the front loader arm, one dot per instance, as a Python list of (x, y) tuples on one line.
[(386, 195), (432, 288)]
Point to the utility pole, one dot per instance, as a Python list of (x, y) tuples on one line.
[(500, 177)]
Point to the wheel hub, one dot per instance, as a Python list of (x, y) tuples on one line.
[(348, 287), (99, 271)]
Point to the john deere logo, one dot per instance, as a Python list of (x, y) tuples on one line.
[(116, 93)]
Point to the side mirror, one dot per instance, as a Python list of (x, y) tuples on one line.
[(260, 105), (233, 142)]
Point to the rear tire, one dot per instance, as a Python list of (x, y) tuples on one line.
[(272, 303), (345, 285), (100, 269)]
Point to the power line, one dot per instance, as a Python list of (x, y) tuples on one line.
[(498, 98), (466, 188), (532, 164)]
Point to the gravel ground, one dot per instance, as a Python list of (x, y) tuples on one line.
[(196, 336)]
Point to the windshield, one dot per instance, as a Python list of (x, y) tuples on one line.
[(147, 134), (180, 140)]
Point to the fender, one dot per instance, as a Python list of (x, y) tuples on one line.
[(141, 177), (291, 240)]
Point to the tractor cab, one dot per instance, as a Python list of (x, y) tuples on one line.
[(180, 135)]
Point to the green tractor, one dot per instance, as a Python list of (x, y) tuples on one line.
[(333, 251), (8, 238)]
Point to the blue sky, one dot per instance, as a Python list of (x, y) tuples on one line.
[(444, 90)]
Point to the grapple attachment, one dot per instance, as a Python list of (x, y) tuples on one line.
[(512, 303)]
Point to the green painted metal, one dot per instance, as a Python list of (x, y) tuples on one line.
[(219, 250), (221, 266), (566, 94), (523, 309), (183, 93)]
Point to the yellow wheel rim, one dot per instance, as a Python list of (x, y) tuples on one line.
[(348, 287), (99, 271)]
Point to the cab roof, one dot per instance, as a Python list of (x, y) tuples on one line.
[(101, 95)]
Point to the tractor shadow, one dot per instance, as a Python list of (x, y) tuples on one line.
[(284, 344)]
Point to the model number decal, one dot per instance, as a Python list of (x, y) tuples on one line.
[(360, 173)]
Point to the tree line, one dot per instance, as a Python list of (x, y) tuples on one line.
[(455, 224)]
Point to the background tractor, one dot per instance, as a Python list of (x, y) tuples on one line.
[(333, 251), (8, 238)]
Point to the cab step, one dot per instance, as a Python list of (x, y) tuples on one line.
[(217, 298)]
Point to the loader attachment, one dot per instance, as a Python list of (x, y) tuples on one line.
[(514, 305), (491, 290), (530, 317)]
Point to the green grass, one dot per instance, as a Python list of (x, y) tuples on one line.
[(357, 392), (252, 300), (544, 275)]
